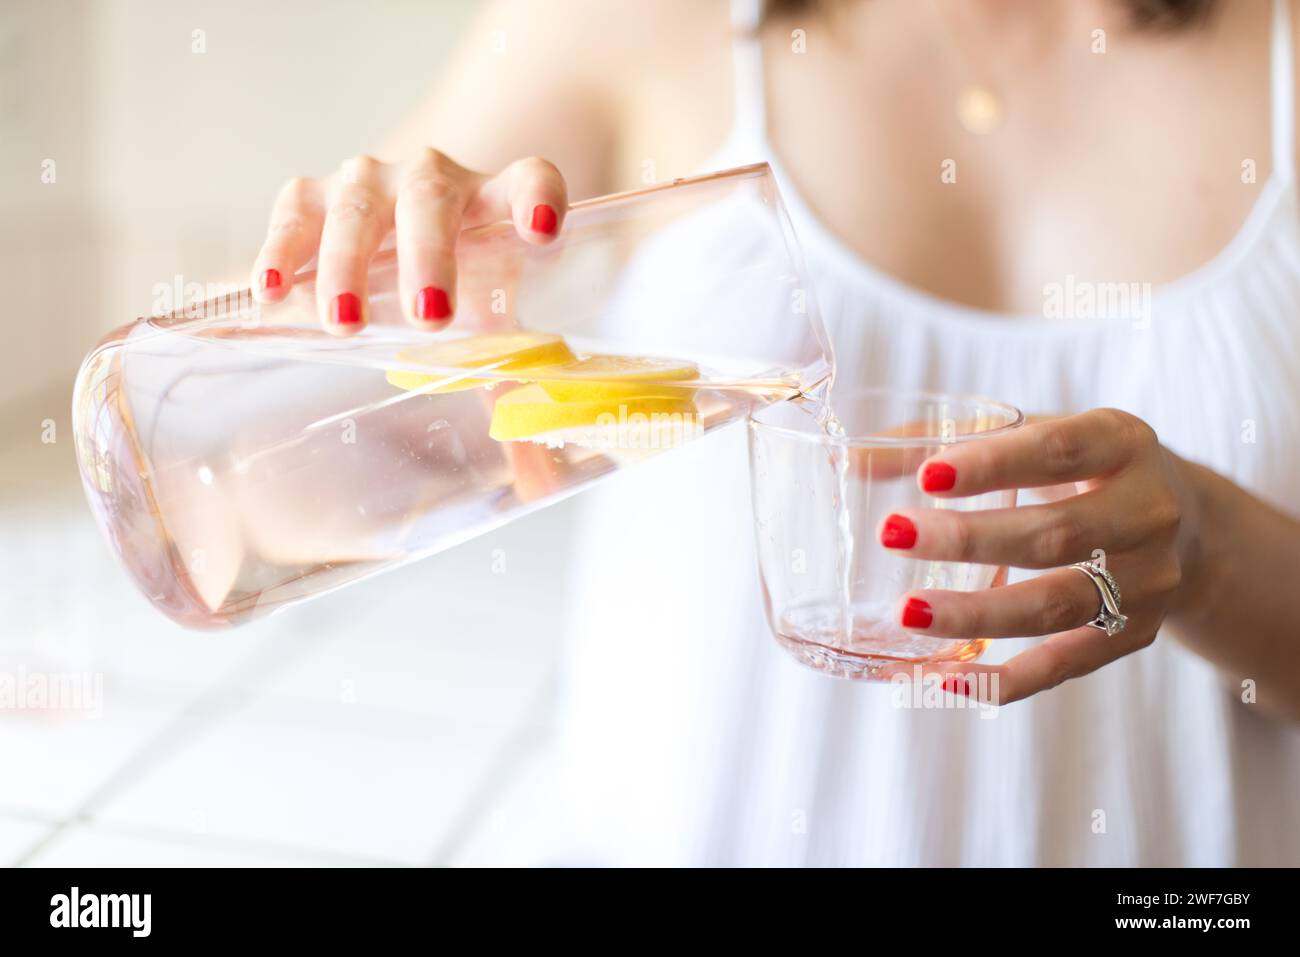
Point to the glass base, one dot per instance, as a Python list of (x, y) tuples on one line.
[(866, 665)]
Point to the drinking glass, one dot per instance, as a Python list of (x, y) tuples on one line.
[(831, 591)]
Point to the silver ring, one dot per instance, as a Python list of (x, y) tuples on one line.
[(1108, 617)]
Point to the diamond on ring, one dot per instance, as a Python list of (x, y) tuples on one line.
[(1108, 617)]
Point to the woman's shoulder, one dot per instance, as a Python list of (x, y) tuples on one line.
[(654, 75), (621, 36)]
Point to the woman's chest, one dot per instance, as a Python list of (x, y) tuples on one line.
[(1113, 167)]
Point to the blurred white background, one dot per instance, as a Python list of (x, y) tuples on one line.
[(167, 160), (391, 723)]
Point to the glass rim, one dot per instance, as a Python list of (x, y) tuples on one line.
[(871, 440)]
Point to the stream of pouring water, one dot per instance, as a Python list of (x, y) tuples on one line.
[(840, 462)]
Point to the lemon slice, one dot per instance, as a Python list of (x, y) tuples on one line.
[(609, 422), (498, 351), (598, 377)]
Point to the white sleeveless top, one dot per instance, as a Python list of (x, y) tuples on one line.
[(687, 736)]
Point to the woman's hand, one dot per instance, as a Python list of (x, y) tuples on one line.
[(343, 218), (1129, 504)]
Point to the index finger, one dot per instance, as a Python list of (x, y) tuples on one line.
[(1071, 449)]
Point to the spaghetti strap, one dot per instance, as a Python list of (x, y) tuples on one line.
[(1282, 91), (750, 106)]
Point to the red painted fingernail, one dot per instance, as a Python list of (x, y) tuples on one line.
[(957, 686), (346, 309), (899, 532), (917, 614), (938, 477), (432, 303), (544, 219), (271, 279)]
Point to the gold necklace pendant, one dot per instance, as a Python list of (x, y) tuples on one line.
[(978, 110)]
